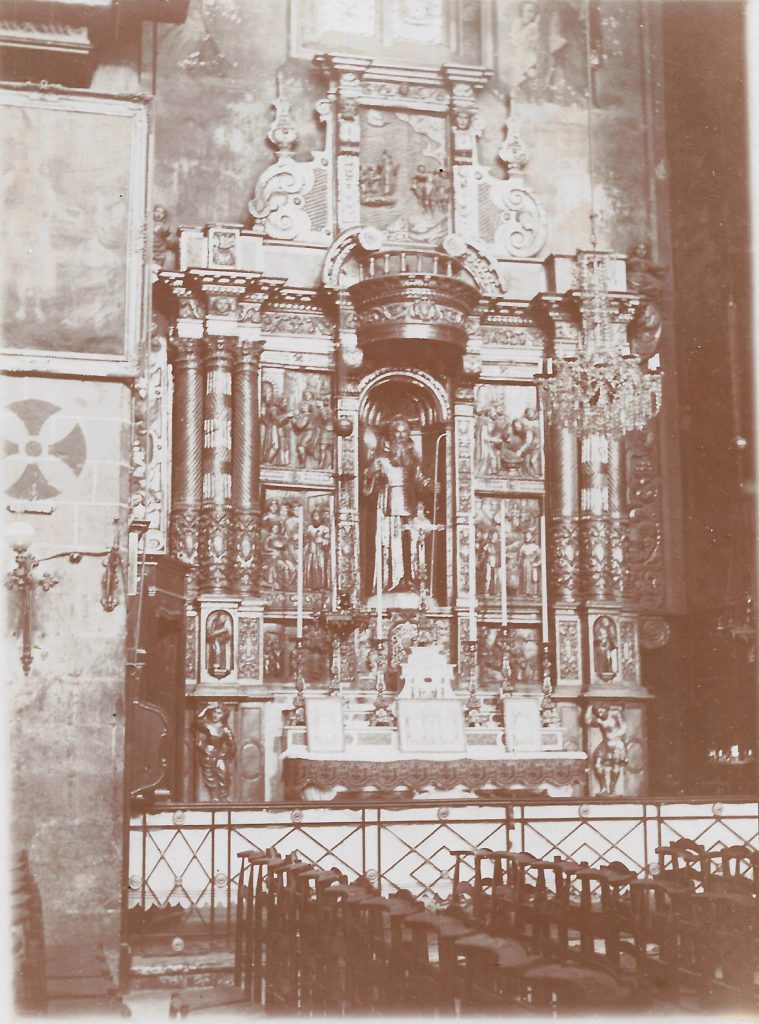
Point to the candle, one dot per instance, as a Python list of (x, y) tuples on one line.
[(543, 579), (333, 548), (472, 582), (378, 571), (504, 594), (299, 622)]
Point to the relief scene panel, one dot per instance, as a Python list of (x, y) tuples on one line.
[(297, 432), (405, 183), (279, 547), (511, 526), (507, 442)]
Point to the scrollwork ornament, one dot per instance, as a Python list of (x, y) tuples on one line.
[(248, 660), (214, 548), (245, 547), (564, 557), (184, 534), (594, 548), (654, 632)]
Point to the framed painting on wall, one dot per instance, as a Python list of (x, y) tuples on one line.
[(73, 225)]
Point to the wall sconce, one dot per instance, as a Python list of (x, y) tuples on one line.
[(22, 579)]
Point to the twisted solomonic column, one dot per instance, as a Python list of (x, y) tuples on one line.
[(617, 530), (564, 542), (214, 554), (246, 464), (187, 448), (594, 519)]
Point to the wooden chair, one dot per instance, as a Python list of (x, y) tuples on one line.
[(659, 908), (378, 958), (475, 896), (249, 942), (430, 981)]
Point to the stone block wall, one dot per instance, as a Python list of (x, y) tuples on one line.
[(67, 715)]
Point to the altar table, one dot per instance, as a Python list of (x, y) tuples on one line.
[(311, 776)]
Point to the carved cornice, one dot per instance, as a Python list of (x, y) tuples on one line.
[(414, 306), (72, 31)]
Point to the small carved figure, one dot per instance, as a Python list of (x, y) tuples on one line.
[(529, 566), (610, 756), (275, 417), (431, 188), (316, 543), (216, 748), (419, 529), (326, 434), (165, 241), (378, 182), (273, 663), (487, 443), (279, 565), (223, 251), (605, 658), (489, 558), (645, 278), (219, 656), (521, 448), (522, 669), (307, 425)]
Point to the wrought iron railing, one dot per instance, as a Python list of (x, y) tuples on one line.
[(183, 860)]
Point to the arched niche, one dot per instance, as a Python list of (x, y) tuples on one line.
[(403, 418)]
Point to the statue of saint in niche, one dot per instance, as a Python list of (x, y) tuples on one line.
[(219, 644), (395, 483), (605, 654)]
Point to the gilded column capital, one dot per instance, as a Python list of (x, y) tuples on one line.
[(218, 349), (185, 353), (246, 354)]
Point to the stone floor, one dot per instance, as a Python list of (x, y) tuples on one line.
[(153, 1005)]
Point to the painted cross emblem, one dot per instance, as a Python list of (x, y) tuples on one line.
[(38, 462)]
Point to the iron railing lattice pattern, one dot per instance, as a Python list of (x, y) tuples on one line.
[(183, 860)]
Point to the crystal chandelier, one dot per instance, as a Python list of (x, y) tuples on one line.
[(604, 389)]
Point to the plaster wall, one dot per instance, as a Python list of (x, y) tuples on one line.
[(215, 76)]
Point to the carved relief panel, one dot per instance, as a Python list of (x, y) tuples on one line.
[(521, 540), (280, 652), (616, 745), (507, 437), (297, 432), (218, 643), (405, 185), (279, 547), (524, 657), (613, 649)]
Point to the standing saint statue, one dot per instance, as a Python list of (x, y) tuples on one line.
[(394, 480), (216, 749)]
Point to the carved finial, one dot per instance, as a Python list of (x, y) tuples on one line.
[(282, 134), (513, 152)]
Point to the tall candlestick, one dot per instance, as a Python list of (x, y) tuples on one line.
[(472, 582), (543, 579), (299, 621), (333, 549), (504, 594), (378, 572)]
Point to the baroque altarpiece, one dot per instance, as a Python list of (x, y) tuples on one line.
[(344, 455)]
